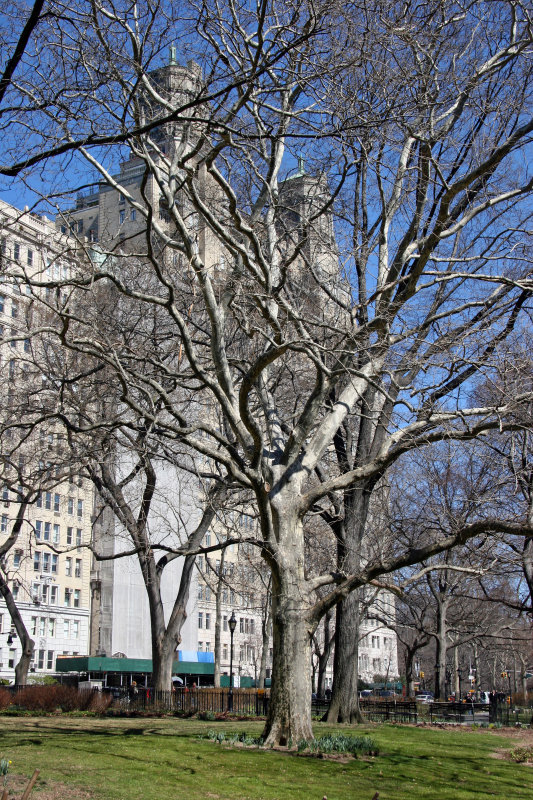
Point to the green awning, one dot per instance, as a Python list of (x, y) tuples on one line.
[(129, 665)]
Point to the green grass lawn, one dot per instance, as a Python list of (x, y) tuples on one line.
[(156, 759)]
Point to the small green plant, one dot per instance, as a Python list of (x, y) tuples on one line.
[(209, 716), (522, 754), (4, 769), (340, 743)]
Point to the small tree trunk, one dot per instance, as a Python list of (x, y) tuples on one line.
[(266, 625), (218, 620), (27, 643), (324, 656), (442, 632), (23, 666)]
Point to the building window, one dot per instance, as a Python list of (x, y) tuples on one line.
[(66, 628), (225, 623), (121, 216), (17, 558), (68, 567), (39, 501), (29, 258), (51, 627), (33, 626), (40, 659), (3, 523), (77, 596), (37, 561), (27, 347), (70, 505), (57, 503), (78, 537), (200, 592), (5, 497), (208, 647), (53, 595), (200, 647), (207, 594), (55, 559), (46, 534), (38, 528), (42, 626), (225, 652), (16, 251), (77, 569), (375, 642), (200, 620), (57, 534), (2, 303), (133, 214), (76, 628), (207, 621), (69, 535), (46, 562), (50, 660), (207, 539), (241, 625), (14, 309), (80, 509), (48, 500), (68, 598)]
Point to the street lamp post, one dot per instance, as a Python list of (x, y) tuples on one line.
[(232, 622), (12, 635)]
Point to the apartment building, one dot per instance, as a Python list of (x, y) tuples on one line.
[(47, 569)]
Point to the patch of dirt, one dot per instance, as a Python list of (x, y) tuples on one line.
[(44, 789)]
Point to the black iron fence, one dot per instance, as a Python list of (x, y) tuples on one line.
[(195, 701), (458, 712), (394, 710)]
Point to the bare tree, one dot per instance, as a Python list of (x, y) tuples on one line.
[(299, 303)]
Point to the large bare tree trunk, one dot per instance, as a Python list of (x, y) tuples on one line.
[(442, 646), (344, 705), (289, 715)]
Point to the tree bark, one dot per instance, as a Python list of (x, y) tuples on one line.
[(344, 705), (28, 645), (289, 715), (266, 625), (442, 645)]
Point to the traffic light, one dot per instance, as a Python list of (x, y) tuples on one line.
[(504, 674), (421, 674)]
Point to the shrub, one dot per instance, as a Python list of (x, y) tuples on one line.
[(5, 699), (65, 698), (522, 754)]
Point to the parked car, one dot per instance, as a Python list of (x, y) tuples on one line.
[(365, 693), (424, 698)]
